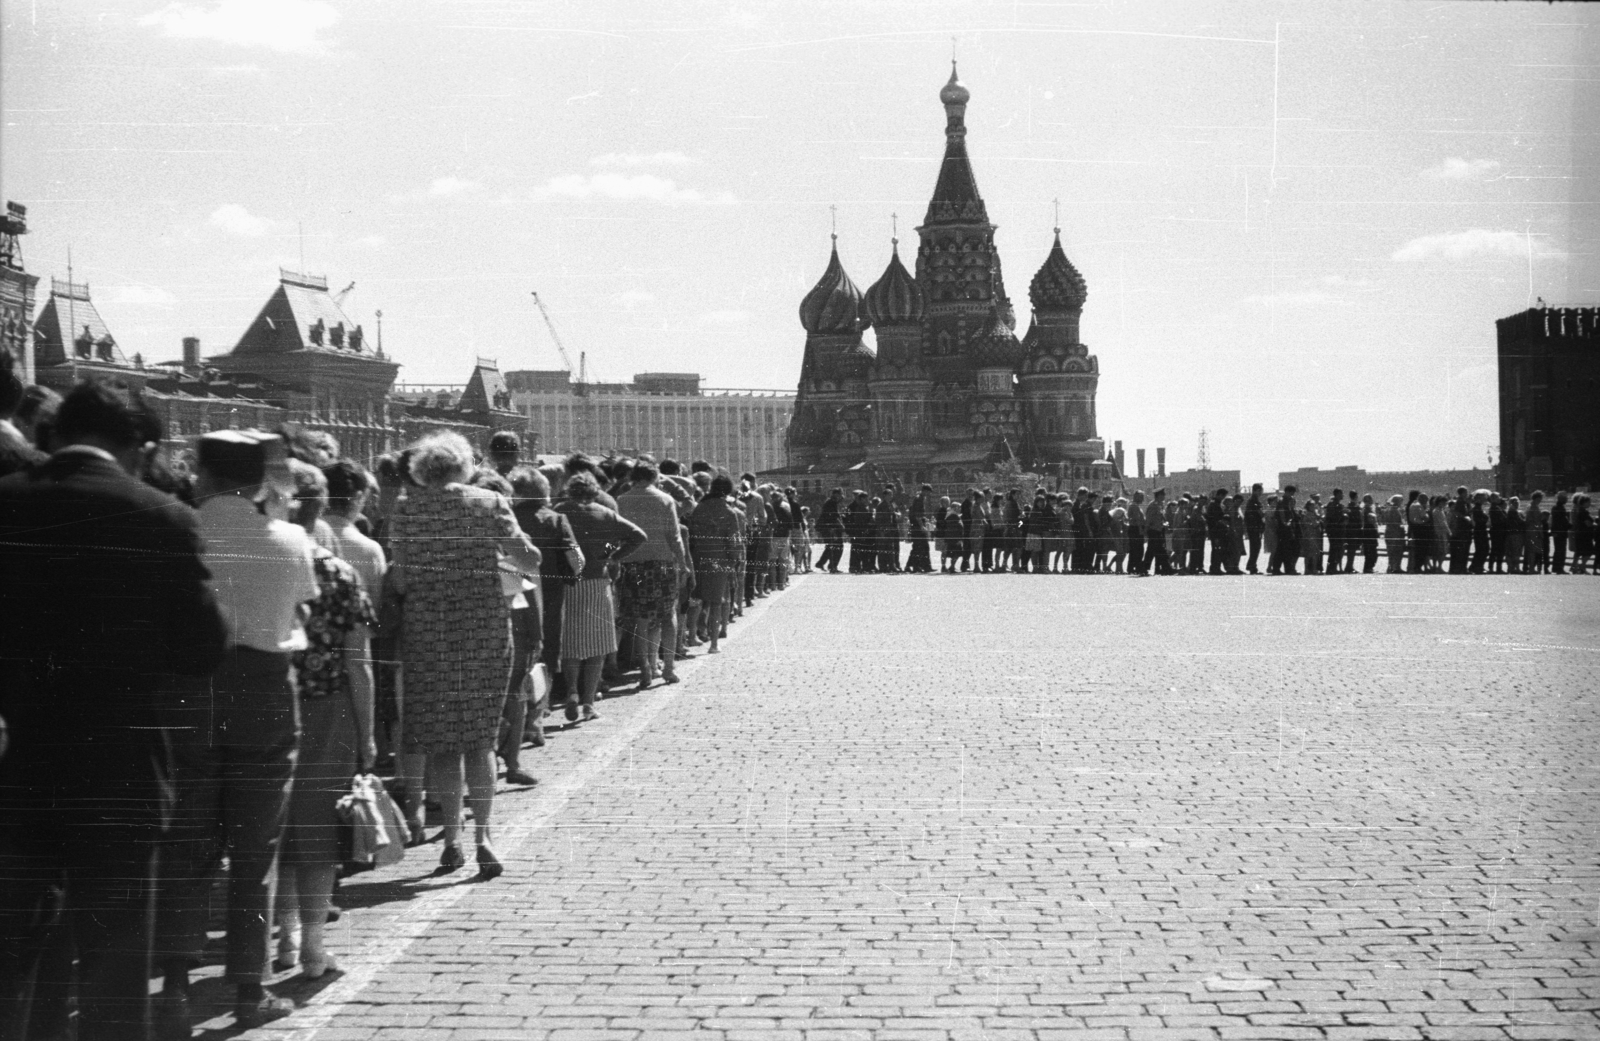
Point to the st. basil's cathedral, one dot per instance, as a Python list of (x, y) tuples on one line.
[(951, 390)]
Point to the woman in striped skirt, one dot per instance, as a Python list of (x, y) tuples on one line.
[(588, 624)]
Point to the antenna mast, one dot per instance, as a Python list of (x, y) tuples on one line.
[(1204, 462), (71, 338)]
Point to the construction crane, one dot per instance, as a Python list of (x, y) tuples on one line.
[(583, 426), (339, 300), (583, 362)]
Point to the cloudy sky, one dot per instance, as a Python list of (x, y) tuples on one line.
[(1298, 221)]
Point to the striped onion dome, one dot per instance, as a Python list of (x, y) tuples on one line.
[(1058, 286), (895, 298), (834, 303), (998, 347)]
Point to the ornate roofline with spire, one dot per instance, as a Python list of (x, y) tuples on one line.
[(955, 195)]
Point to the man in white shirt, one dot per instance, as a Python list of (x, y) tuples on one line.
[(234, 749)]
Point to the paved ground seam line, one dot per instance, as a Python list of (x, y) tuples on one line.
[(361, 968)]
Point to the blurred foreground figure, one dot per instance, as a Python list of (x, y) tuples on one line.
[(104, 592)]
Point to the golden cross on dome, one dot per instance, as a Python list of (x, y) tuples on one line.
[(1058, 215), (833, 212), (894, 229)]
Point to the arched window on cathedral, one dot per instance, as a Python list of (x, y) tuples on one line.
[(944, 343)]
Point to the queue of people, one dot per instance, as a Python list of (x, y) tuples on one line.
[(1221, 533), (194, 665)]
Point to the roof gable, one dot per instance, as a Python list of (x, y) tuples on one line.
[(86, 338), (485, 390), (301, 315)]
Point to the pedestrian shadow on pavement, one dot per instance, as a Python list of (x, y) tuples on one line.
[(212, 998), (393, 890)]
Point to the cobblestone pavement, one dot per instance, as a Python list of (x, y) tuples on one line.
[(908, 808)]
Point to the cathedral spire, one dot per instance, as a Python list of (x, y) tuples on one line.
[(955, 196)]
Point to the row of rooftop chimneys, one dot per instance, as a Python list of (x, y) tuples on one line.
[(1122, 461)]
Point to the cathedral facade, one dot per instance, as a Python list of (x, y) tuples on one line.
[(951, 390)]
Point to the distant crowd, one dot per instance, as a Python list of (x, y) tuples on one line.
[(1223, 533)]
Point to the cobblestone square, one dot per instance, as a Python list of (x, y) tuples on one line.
[(987, 807)]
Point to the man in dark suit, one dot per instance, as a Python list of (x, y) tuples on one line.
[(1333, 521), (1217, 531), (1255, 524), (1460, 531), (858, 529), (104, 591), (830, 528)]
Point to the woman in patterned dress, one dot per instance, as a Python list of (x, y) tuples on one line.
[(448, 538), (589, 624), (334, 676)]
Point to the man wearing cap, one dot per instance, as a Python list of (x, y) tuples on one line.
[(505, 451), (234, 750)]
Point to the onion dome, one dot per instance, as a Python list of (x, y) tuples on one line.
[(895, 298), (998, 347), (1058, 286), (953, 93), (834, 303)]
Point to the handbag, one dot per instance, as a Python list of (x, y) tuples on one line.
[(537, 685), (374, 829)]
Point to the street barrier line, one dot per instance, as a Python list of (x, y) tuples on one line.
[(360, 968)]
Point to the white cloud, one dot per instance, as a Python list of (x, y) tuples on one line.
[(632, 298), (452, 185), (1464, 245), (611, 159), (236, 220), (291, 26), (1458, 169), (140, 295), (628, 188), (1294, 298), (725, 317)]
